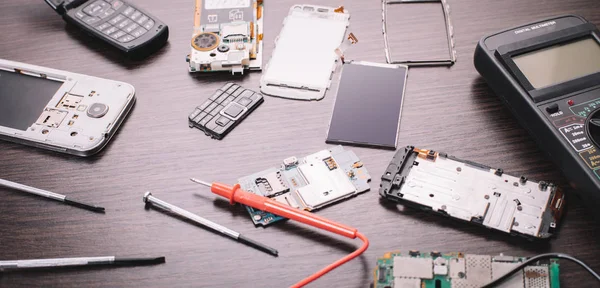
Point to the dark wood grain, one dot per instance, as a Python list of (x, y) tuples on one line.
[(447, 109)]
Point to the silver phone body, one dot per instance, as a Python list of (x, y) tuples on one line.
[(79, 118)]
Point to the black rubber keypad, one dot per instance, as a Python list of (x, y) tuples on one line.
[(224, 109), (115, 19)]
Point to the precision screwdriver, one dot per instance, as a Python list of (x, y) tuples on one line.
[(149, 199), (236, 194), (51, 195), (79, 261)]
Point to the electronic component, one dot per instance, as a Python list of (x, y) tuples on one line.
[(224, 110), (116, 22), (388, 8), (458, 270), (548, 74), (472, 192), (227, 36), (308, 183), (305, 53), (368, 105)]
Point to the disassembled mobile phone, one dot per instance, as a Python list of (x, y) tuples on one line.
[(116, 22), (224, 110), (472, 192), (227, 36), (58, 110), (308, 183), (391, 58), (368, 105), (305, 57), (459, 270)]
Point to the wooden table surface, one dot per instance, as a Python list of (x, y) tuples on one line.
[(447, 109)]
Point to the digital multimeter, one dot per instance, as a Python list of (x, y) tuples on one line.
[(548, 74)]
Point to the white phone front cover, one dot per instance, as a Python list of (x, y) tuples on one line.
[(304, 57)]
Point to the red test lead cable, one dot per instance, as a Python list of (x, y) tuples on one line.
[(237, 195)]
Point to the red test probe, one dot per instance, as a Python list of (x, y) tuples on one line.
[(235, 194)]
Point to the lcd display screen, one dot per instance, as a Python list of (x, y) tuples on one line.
[(23, 98), (560, 63), (368, 105)]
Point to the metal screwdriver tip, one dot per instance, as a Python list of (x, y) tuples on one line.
[(201, 182), (84, 205)]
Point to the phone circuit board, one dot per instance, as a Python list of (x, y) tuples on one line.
[(308, 183), (472, 192), (458, 270), (227, 36)]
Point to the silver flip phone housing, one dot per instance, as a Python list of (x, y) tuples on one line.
[(81, 116)]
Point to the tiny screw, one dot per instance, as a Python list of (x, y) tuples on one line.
[(519, 208), (486, 197), (516, 224), (458, 169)]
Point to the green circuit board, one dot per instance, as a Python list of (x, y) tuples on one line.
[(459, 270)]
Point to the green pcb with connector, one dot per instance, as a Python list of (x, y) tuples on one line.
[(459, 270)]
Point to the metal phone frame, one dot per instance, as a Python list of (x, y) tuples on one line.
[(449, 35)]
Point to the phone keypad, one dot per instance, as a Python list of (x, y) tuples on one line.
[(224, 110), (116, 19)]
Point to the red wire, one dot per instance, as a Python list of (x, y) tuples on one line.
[(336, 263)]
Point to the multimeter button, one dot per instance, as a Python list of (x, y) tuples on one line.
[(552, 108), (128, 11), (124, 23), (102, 26), (117, 35), (116, 20), (126, 38), (110, 30), (135, 15), (117, 4), (131, 27), (222, 121), (244, 101), (79, 14), (91, 20), (233, 110), (142, 20), (149, 24), (139, 32)]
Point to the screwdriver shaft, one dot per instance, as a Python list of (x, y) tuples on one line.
[(50, 195), (148, 198)]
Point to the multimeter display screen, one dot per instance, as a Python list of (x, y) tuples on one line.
[(560, 63)]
